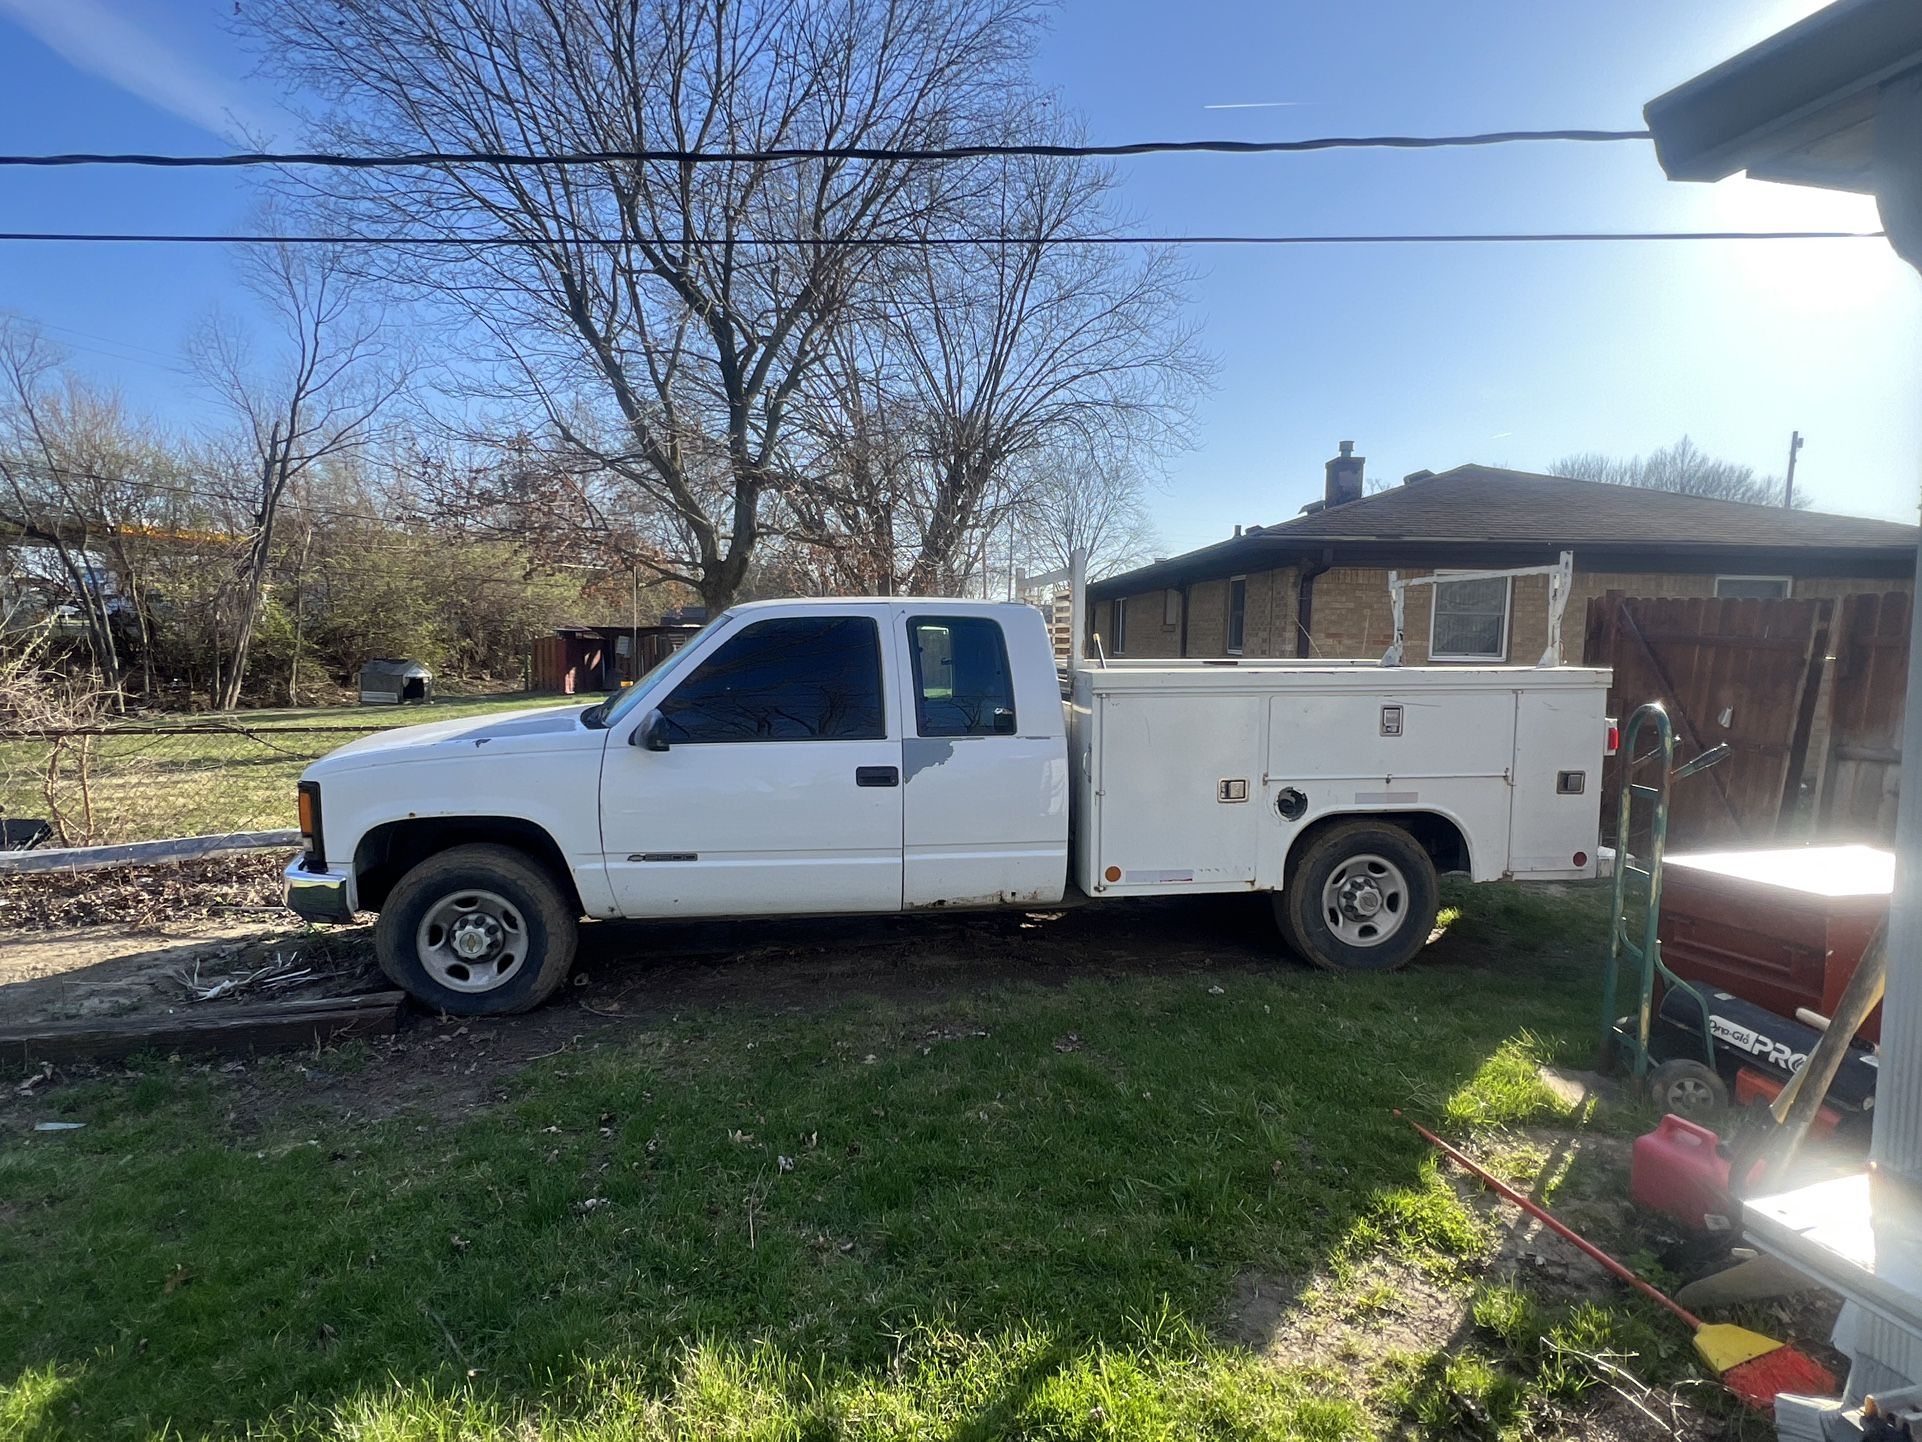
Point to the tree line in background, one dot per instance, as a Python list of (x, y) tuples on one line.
[(1686, 469), (568, 385)]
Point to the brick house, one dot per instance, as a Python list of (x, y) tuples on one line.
[(1318, 585)]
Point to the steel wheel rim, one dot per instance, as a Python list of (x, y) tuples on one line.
[(1365, 900), (472, 940), (1688, 1095)]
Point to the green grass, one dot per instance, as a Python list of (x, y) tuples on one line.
[(144, 787), (970, 1236)]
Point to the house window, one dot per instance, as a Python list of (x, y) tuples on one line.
[(1120, 637), (1763, 588), (1470, 620), (1171, 608), (1237, 613)]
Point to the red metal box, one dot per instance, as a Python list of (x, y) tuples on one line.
[(1781, 928)]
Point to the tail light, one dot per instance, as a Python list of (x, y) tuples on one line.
[(1612, 731), (310, 838)]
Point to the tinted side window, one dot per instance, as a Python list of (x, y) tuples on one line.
[(962, 685), (789, 678)]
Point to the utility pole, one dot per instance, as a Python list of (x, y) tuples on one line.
[(1788, 490), (633, 667)]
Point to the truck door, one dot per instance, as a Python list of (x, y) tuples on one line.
[(985, 765), (780, 788)]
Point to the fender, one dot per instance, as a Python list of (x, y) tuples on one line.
[(1438, 829)]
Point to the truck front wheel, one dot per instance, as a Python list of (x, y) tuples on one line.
[(1362, 897), (476, 931)]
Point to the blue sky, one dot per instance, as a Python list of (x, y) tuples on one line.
[(1425, 356)]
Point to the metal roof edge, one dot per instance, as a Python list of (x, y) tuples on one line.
[(1705, 128)]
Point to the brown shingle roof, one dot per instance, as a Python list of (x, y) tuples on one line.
[(1483, 503), (1479, 507)]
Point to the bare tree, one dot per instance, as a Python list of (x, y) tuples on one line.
[(1085, 503), (1683, 468), (658, 316), (1009, 340), (35, 696), (318, 398), (855, 505), (63, 490)]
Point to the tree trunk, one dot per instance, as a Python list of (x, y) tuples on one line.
[(243, 638), (300, 617), (273, 479)]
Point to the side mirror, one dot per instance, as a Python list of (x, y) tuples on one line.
[(651, 734), (1003, 721)]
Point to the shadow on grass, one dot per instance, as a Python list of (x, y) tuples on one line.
[(979, 1178)]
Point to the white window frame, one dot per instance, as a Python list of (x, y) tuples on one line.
[(1120, 637), (1500, 657), (1228, 616), (1788, 587), (1170, 609)]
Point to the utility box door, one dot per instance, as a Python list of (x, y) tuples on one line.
[(1558, 781), (1420, 748), (1358, 740), (1180, 788)]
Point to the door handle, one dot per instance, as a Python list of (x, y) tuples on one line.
[(877, 776)]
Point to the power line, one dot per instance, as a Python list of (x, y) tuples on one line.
[(417, 159), (493, 242), (167, 356)]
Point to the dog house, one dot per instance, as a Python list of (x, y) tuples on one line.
[(388, 682)]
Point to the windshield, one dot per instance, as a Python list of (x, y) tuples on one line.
[(624, 703)]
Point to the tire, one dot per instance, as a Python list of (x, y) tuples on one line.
[(1362, 897), (494, 900), (1692, 1090)]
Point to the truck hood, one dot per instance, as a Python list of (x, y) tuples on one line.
[(538, 729)]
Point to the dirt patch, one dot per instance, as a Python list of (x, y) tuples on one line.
[(71, 972), (1578, 1089), (144, 896), (1583, 1178), (1384, 1308), (85, 973), (1624, 1410)]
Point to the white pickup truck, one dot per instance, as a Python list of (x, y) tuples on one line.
[(862, 756)]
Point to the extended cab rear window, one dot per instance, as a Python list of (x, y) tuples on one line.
[(788, 678), (962, 685)]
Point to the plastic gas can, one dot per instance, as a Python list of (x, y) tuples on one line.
[(1677, 1170)]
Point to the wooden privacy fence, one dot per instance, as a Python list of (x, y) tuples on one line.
[(1861, 763), (1807, 695)]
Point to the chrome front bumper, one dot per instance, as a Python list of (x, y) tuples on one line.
[(319, 895)]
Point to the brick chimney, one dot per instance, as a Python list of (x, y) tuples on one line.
[(1344, 477)]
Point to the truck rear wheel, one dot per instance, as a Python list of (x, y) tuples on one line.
[(476, 931), (1362, 897)]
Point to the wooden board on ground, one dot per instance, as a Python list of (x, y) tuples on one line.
[(221, 1030)]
